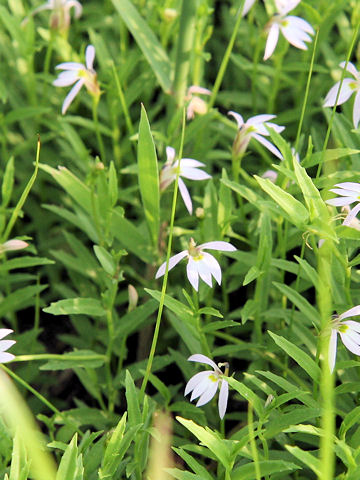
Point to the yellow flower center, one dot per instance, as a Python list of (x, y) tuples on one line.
[(213, 378)]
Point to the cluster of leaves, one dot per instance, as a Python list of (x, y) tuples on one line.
[(98, 229)]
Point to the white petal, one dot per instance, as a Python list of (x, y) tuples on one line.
[(332, 350), (202, 387), (340, 201), (259, 119), (285, 6), (190, 162), (355, 326), (349, 343), (71, 95), (345, 94), (247, 5), (174, 260), (5, 331), (199, 357), (356, 109), (76, 5), (238, 118), (295, 36), (192, 274), (352, 312), (208, 394), (223, 398), (349, 186), (271, 41), (268, 145), (90, 56), (170, 154), (185, 195), (6, 344), (195, 380), (203, 270), (212, 266), (300, 24), (199, 90), (351, 215), (70, 66), (219, 245), (66, 78), (6, 357), (345, 193), (350, 68)]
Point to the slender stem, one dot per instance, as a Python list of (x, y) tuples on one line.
[(184, 48), (327, 136), (110, 323), (164, 285), (254, 451), (276, 83), (306, 91), (124, 107), (226, 57), (97, 128)]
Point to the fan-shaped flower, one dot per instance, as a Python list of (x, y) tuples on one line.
[(349, 332), (60, 17), (349, 193), (196, 104), (295, 29), (348, 87), (5, 345), (200, 263), (79, 73), (204, 384), (255, 127), (189, 168)]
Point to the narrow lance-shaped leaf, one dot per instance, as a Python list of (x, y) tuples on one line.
[(149, 177)]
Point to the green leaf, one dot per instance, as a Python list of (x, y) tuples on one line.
[(252, 274), (76, 359), (149, 177), (248, 394), (132, 400), (147, 42), (210, 311), (332, 154), (106, 260), (76, 306), (267, 467), (24, 262), (349, 421), (174, 305), (302, 304), (199, 469), (68, 465), (8, 183), (19, 299), (300, 357), (307, 458), (293, 208), (20, 465), (210, 439)]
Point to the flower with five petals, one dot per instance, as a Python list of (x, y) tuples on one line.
[(5, 345), (254, 127), (349, 332), (79, 73), (348, 87), (204, 384), (189, 168), (200, 263), (349, 193), (295, 29)]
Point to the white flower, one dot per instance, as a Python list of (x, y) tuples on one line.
[(205, 384), (255, 127), (196, 104), (189, 168), (350, 193), (349, 332), (348, 87), (79, 73), (60, 17), (5, 345), (200, 263), (295, 29)]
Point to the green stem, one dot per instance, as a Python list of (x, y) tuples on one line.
[(124, 107), (184, 49), (164, 285), (276, 83), (254, 451), (226, 58), (110, 324), (306, 91), (97, 128)]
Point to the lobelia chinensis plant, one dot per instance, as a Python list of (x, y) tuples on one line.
[(200, 264), (80, 75), (189, 168), (348, 87), (204, 385), (296, 30)]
